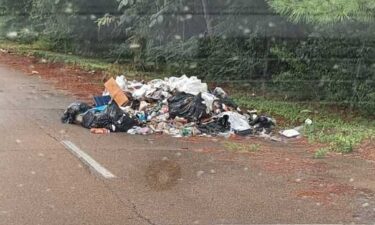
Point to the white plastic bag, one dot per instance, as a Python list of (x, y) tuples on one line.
[(237, 121), (208, 100), (191, 85), (141, 92), (121, 81), (159, 84)]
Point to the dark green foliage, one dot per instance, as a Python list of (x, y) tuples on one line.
[(334, 69), (325, 12)]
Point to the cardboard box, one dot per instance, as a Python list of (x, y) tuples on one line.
[(116, 93)]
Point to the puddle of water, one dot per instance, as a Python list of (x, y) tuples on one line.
[(162, 175)]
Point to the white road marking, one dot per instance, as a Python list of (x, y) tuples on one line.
[(85, 158)]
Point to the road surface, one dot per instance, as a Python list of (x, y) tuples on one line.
[(154, 179)]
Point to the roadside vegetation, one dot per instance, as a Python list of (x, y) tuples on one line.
[(304, 58), (342, 131), (41, 52)]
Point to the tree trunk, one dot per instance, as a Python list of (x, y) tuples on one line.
[(207, 17)]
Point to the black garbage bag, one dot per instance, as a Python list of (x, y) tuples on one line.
[(262, 123), (73, 111), (188, 106), (113, 119), (125, 123), (219, 125), (120, 120), (97, 120)]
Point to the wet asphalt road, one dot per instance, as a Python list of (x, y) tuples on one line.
[(159, 180)]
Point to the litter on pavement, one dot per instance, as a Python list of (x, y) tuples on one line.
[(178, 106)]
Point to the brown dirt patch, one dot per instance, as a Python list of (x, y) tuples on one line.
[(82, 84), (367, 150), (325, 192)]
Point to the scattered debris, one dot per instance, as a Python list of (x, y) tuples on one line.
[(297, 131), (290, 133), (100, 131), (364, 205), (308, 122), (180, 107), (4, 51)]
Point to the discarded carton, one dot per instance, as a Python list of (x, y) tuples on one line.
[(116, 93), (292, 133)]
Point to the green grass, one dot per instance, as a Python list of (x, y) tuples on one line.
[(39, 51), (321, 153), (340, 135)]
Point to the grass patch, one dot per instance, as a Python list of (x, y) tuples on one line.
[(242, 148), (341, 135), (321, 153), (39, 51)]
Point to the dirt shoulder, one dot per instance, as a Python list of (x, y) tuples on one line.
[(82, 84)]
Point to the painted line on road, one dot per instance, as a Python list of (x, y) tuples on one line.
[(88, 160)]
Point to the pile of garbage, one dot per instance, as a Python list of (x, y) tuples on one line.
[(177, 106)]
